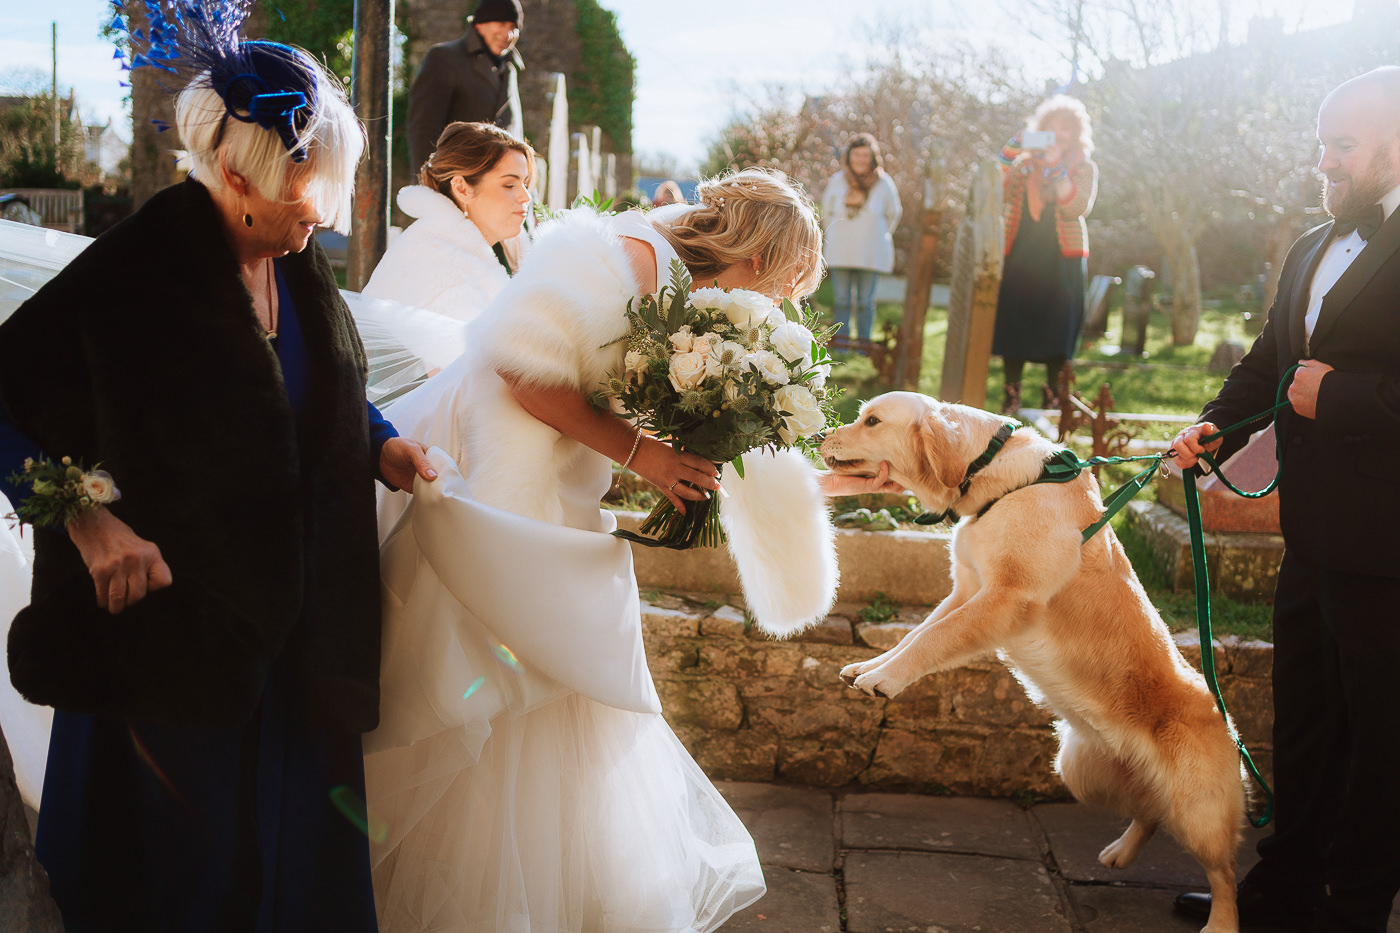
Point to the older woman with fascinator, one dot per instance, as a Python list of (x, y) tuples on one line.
[(205, 770)]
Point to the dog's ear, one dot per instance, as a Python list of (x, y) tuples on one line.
[(936, 452)]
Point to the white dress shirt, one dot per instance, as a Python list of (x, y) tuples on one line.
[(1336, 259)]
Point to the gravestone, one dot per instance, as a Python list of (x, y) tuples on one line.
[(1226, 355), (1096, 303), (582, 179), (1137, 307), (557, 194), (972, 299)]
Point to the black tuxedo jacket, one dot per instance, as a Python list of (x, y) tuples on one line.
[(459, 80), (1339, 495)]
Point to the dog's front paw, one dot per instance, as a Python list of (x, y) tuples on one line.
[(850, 672), (879, 683)]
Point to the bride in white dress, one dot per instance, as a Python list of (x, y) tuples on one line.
[(522, 779)]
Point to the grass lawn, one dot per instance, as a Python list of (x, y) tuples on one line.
[(1170, 380)]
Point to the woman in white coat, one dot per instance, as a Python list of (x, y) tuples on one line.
[(471, 200), (860, 210)]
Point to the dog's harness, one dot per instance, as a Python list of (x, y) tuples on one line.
[(1060, 467)]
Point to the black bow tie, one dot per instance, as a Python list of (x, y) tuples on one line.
[(1366, 223)]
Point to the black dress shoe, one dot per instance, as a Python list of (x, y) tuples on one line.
[(1256, 909)]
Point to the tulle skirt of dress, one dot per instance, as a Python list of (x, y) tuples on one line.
[(578, 817), (505, 795)]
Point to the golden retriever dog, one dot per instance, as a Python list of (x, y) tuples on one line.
[(1139, 730)]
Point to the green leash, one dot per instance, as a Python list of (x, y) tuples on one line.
[(1123, 494)]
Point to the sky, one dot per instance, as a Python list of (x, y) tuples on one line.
[(694, 71)]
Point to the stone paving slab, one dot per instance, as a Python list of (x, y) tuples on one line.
[(932, 824), (914, 892), (1078, 833), (1104, 908), (796, 902), (793, 827)]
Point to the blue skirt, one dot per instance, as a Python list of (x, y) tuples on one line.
[(256, 828)]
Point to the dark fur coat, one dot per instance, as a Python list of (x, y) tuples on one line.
[(145, 355)]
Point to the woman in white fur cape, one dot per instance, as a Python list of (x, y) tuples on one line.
[(472, 195), (522, 778)]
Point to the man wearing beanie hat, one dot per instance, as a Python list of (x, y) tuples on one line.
[(473, 78)]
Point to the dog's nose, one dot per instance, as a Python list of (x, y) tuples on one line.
[(819, 438)]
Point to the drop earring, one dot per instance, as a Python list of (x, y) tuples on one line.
[(247, 217)]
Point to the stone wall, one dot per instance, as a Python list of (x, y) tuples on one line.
[(753, 709)]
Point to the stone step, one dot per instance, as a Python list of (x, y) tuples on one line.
[(1241, 565), (909, 567)]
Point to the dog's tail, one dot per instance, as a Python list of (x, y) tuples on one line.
[(782, 539)]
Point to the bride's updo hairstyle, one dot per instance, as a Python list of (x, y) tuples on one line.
[(755, 212), (470, 150), (319, 141)]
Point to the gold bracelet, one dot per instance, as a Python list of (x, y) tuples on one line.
[(636, 442)]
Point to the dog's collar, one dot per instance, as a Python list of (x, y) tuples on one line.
[(1060, 467), (994, 447)]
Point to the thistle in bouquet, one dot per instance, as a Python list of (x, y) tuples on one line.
[(719, 372)]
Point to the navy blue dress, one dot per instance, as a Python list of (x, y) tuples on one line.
[(155, 828), (1040, 306)]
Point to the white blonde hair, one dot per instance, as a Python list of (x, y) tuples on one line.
[(756, 212), (1063, 104), (332, 137)]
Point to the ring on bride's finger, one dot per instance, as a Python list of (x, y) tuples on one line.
[(672, 487)]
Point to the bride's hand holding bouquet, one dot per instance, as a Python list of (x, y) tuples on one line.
[(717, 372)]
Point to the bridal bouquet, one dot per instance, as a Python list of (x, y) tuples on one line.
[(719, 372)]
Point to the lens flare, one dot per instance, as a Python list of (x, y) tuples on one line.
[(476, 685), (507, 657), (353, 809)]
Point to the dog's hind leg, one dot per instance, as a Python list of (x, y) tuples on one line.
[(1094, 775), (1124, 850)]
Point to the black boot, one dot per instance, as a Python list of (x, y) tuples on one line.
[(1011, 398), (1283, 911)]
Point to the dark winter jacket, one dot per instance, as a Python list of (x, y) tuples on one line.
[(145, 355)]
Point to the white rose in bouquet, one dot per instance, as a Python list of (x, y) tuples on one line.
[(768, 365), (804, 416), (683, 340), (100, 487), (710, 299), (634, 365), (707, 344), (777, 317), (747, 309), (793, 342), (687, 371)]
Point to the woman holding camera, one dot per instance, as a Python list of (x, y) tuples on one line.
[(1048, 185)]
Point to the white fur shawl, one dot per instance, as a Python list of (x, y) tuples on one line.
[(441, 262)]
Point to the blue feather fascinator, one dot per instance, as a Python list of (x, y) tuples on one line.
[(197, 42)]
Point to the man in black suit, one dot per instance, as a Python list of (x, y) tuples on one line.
[(473, 78), (1333, 861)]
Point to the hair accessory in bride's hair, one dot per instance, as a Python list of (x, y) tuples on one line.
[(266, 83)]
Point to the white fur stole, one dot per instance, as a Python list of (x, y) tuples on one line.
[(781, 539)]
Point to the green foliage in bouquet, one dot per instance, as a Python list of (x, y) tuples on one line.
[(720, 373)]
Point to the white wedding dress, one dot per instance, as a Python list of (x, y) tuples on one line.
[(522, 779)]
